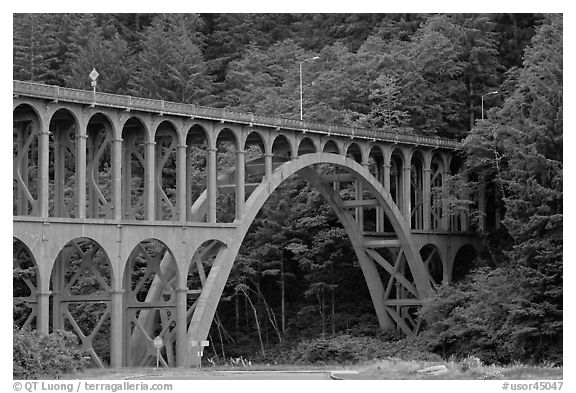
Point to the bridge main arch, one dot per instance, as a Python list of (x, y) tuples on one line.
[(365, 249)]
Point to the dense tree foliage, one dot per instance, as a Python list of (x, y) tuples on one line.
[(519, 149), (296, 276)]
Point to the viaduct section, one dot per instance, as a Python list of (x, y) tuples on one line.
[(148, 202)]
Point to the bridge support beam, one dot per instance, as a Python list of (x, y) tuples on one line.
[(116, 328), (426, 198), (43, 322), (149, 188), (81, 175), (181, 183), (406, 208), (240, 180), (117, 178), (211, 186), (268, 165), (181, 328)]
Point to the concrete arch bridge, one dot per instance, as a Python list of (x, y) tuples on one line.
[(134, 197)]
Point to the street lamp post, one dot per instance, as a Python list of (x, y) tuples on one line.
[(482, 98), (311, 58)]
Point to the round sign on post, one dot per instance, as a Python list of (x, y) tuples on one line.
[(158, 342)]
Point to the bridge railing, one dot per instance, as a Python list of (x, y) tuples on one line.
[(145, 104)]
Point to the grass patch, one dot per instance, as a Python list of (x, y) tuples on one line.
[(405, 369)]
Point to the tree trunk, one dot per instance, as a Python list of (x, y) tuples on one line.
[(220, 335), (471, 104), (237, 312), (332, 301), (257, 323)]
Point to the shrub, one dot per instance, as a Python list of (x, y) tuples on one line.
[(36, 355), (351, 349)]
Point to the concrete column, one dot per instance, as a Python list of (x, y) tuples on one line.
[(126, 183), (360, 209), (406, 208), (43, 196), (117, 178), (380, 216), (149, 184), (268, 165), (240, 184), (387, 176), (81, 176), (211, 184), (188, 189), (445, 221), (427, 197), (181, 326), (181, 182), (482, 207), (116, 328), (42, 319), (57, 286), (59, 206)]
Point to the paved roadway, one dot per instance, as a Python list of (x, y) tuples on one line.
[(202, 374), (250, 375)]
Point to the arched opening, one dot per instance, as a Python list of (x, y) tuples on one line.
[(24, 286), (463, 262), (62, 187), (196, 170), (400, 275), (306, 146), (134, 155), (81, 280), (255, 163), (281, 150), (25, 153), (433, 262), (150, 283), (165, 179), (417, 192), (331, 147), (354, 152), (227, 164), (99, 171)]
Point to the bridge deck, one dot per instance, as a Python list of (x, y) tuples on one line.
[(128, 103)]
